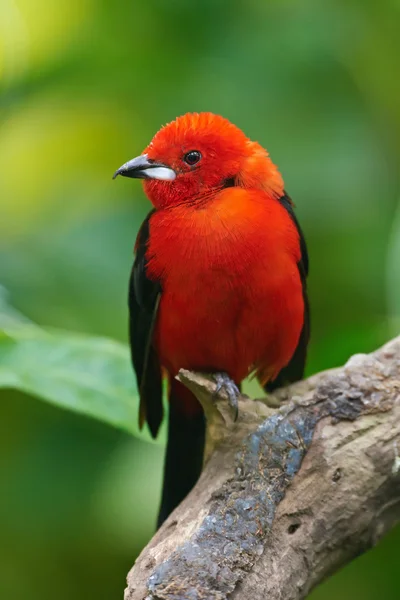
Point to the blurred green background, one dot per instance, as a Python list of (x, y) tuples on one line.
[(84, 86)]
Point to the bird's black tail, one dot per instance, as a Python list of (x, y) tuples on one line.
[(185, 449)]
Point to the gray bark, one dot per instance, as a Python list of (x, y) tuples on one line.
[(287, 495)]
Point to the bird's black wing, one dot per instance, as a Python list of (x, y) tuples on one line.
[(144, 299), (294, 370)]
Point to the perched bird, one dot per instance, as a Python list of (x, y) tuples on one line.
[(218, 283)]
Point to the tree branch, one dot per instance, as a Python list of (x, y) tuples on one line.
[(286, 496)]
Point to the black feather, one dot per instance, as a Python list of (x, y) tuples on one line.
[(294, 370), (144, 298), (184, 455)]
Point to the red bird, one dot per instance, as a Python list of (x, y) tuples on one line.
[(218, 283)]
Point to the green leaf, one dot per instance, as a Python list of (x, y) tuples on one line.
[(88, 375)]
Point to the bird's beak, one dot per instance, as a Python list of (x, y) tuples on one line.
[(143, 167)]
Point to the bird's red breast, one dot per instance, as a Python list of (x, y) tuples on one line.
[(232, 296)]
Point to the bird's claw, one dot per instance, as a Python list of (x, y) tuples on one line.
[(223, 381)]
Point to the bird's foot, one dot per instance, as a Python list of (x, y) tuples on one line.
[(225, 383)]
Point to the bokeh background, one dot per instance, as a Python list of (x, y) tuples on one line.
[(84, 86)]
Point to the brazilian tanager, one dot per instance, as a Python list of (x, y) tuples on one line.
[(218, 283)]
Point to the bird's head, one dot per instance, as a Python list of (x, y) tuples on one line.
[(192, 158)]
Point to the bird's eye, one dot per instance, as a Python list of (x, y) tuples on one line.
[(192, 157)]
